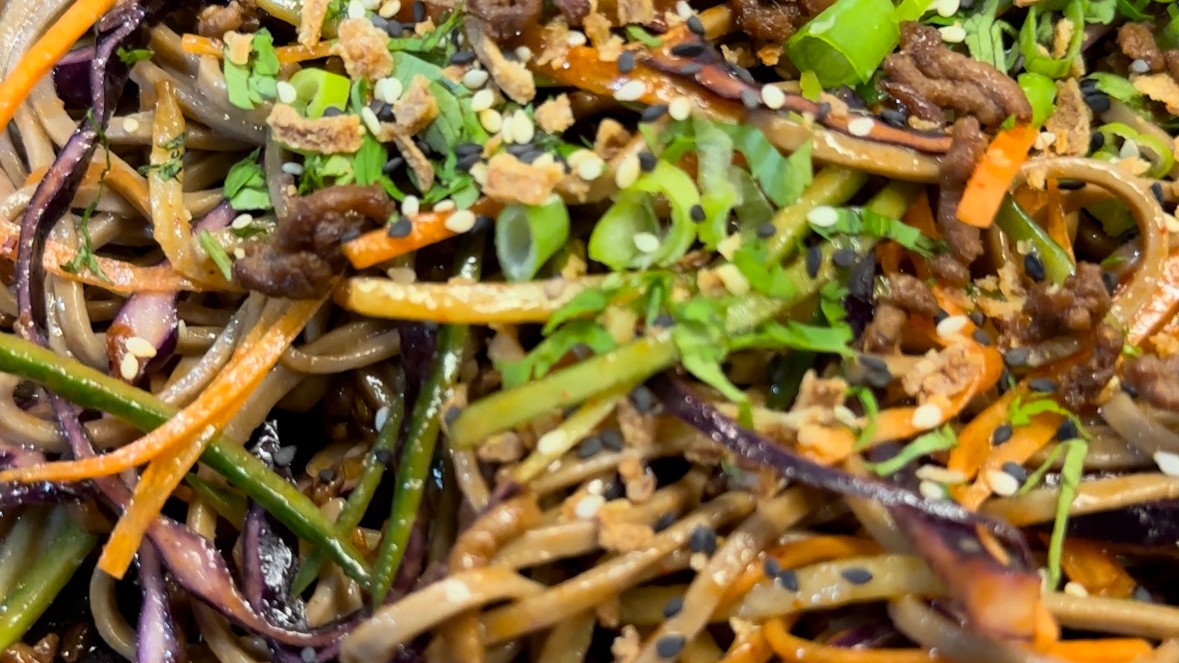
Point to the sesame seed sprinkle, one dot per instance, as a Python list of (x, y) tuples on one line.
[(857, 575), (632, 90)]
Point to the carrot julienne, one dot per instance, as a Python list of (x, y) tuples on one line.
[(429, 228), (993, 176), (198, 45), (1096, 569)]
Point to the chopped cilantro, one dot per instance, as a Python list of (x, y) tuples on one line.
[(871, 411), (1024, 407), (638, 34), (84, 257), (865, 222), (216, 253), (368, 161), (256, 82), (1070, 477), (133, 55), (940, 439), (245, 185), (170, 167), (547, 353), (699, 334), (794, 335)]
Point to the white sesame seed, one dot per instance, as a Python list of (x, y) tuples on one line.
[(491, 120), (130, 125), (823, 216), (141, 347), (461, 221), (389, 9), (927, 416), (773, 97), (523, 130), (286, 92), (591, 168), (931, 490), (523, 53), (239, 253), (947, 8), (632, 90), (628, 172), (953, 34), (356, 9), (553, 443), (292, 168), (482, 100), (479, 173), (129, 367), (1171, 223), (402, 275), (242, 221), (860, 126), (1139, 66), (1002, 483), (680, 108), (734, 281), (575, 38), (444, 206), (951, 325), (475, 79), (587, 507), (1168, 462), (381, 417), (646, 242), (683, 9), (370, 120), (388, 89), (1075, 589), (411, 206)]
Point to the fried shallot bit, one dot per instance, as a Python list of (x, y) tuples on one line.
[(303, 254)]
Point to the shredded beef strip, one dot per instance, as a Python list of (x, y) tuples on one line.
[(953, 80), (883, 334), (958, 165), (904, 295), (504, 19), (1081, 383), (303, 254), (1075, 306), (1156, 379), (775, 20), (910, 294)]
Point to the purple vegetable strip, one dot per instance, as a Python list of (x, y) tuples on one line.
[(158, 640), (71, 77)]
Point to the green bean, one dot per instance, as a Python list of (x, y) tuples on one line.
[(832, 186), (91, 389), (362, 494), (1016, 223), (422, 436), (41, 583)]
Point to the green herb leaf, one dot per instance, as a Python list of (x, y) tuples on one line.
[(548, 352), (871, 412), (984, 35), (585, 304), (130, 56), (636, 33), (764, 276), (369, 160), (864, 222), (255, 83), (1070, 477), (1118, 87), (699, 334), (781, 178), (245, 185), (1035, 60), (794, 335), (216, 253), (933, 441)]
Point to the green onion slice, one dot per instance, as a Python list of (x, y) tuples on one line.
[(847, 42), (1035, 60), (613, 241), (1041, 93), (526, 236), (318, 90)]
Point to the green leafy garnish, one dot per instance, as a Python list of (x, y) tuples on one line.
[(1118, 87), (763, 275), (985, 36), (84, 257), (935, 440), (638, 34), (864, 222), (170, 167), (871, 411), (216, 253), (794, 335), (245, 185), (130, 56), (1036, 59), (782, 178), (1070, 477), (368, 161), (547, 353), (256, 82), (1025, 406), (699, 334)]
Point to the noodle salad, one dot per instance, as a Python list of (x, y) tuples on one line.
[(835, 331)]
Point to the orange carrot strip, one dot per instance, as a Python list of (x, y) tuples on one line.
[(56, 42), (177, 447), (198, 45), (974, 440), (793, 648), (993, 176), (1096, 569), (1160, 308), (800, 553), (1107, 650), (247, 367), (1025, 441), (749, 647), (428, 228)]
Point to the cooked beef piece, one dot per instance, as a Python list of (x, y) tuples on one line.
[(775, 20), (967, 148), (910, 294), (883, 334), (947, 268), (304, 253), (1076, 306), (1081, 383), (916, 104), (1137, 41), (504, 19), (1155, 378), (953, 80), (216, 20)]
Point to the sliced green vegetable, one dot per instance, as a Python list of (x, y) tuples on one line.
[(846, 42), (935, 440), (245, 185), (1161, 157), (853, 221), (318, 90), (1118, 87), (1070, 477), (1036, 58), (1013, 221), (526, 236), (1041, 93), (617, 239), (719, 195), (256, 82), (216, 253)]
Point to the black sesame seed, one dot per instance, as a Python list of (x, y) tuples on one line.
[(643, 399), (689, 49), (613, 491), (670, 646), (939, 316), (612, 439), (766, 230), (626, 62), (1042, 385), (844, 258), (702, 540), (1157, 190), (1017, 357), (771, 567), (589, 447), (1096, 141), (394, 28), (1110, 281), (385, 113), (452, 413), (857, 575), (823, 111), (894, 117), (392, 165), (482, 223), (1005, 381), (467, 162), (653, 113), (697, 213), (1002, 434), (663, 320), (531, 154), (1016, 470), (419, 11), (647, 161), (401, 228), (873, 363), (878, 378), (814, 260), (380, 23), (787, 580), (383, 456), (518, 150), (285, 455), (1088, 84), (1129, 389), (1098, 101), (750, 98), (1034, 267), (691, 69), (1067, 430), (663, 522), (462, 57), (332, 111), (743, 74), (1070, 185), (327, 475), (981, 337), (463, 149), (673, 607), (695, 25), (978, 318)]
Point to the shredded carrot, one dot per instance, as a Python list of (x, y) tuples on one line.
[(1108, 650), (994, 174), (174, 449), (428, 228), (56, 42), (793, 648), (974, 440), (258, 353), (1162, 307), (198, 45), (800, 553), (1025, 441), (1092, 566), (749, 647)]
